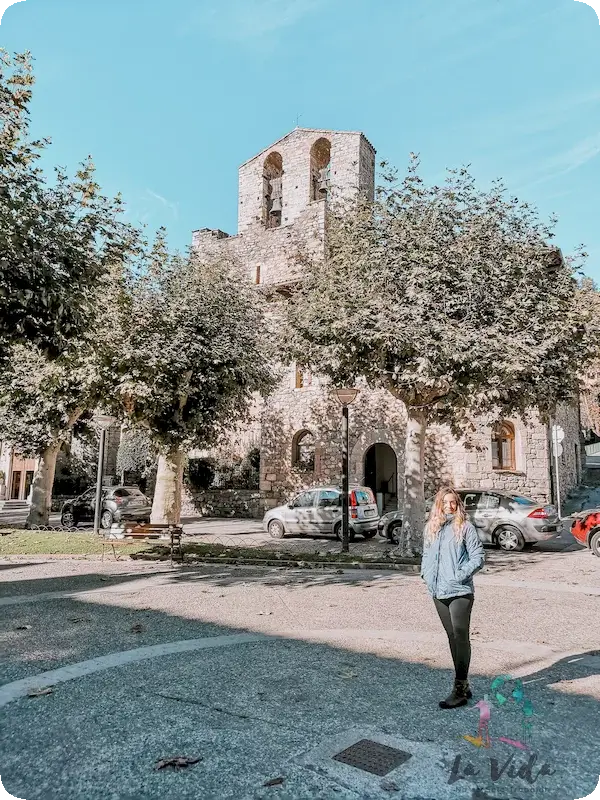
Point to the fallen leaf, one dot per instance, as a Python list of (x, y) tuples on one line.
[(79, 619), (177, 762), (274, 781), (40, 692), (137, 628), (23, 628)]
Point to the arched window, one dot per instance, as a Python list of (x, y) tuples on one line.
[(303, 451), (272, 190), (320, 157), (503, 446)]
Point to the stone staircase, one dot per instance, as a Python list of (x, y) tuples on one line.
[(13, 506)]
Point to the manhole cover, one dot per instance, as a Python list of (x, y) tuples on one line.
[(378, 759)]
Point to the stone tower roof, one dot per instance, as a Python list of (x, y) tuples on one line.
[(324, 131)]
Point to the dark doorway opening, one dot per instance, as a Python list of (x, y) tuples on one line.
[(16, 486), (381, 475)]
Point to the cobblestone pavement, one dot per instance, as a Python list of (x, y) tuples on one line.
[(266, 674)]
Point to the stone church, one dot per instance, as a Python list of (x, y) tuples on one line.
[(283, 200)]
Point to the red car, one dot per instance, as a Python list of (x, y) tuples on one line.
[(586, 529)]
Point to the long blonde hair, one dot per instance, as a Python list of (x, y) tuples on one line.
[(437, 516)]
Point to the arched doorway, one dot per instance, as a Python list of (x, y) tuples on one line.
[(381, 475)]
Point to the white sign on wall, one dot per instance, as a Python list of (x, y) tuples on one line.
[(558, 435)]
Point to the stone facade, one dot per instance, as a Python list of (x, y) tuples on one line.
[(303, 409), (242, 503)]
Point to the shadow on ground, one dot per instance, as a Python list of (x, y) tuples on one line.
[(253, 711)]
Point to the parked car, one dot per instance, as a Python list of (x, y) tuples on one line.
[(318, 511), (510, 521), (389, 526), (119, 504), (586, 529)]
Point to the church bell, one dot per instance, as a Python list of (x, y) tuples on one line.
[(276, 206)]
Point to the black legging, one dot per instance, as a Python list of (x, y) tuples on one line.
[(455, 613)]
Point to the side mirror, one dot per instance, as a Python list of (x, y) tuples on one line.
[(290, 504)]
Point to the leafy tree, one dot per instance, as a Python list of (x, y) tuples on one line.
[(136, 453), (194, 350), (41, 402), (56, 241), (452, 298), (44, 401)]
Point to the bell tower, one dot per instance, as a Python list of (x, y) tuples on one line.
[(284, 193), (307, 166)]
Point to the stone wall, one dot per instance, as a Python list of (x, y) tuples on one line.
[(374, 417), (241, 503), (274, 250), (572, 461), (378, 417)]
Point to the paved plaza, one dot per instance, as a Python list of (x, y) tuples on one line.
[(265, 675)]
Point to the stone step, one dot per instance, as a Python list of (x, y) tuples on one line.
[(15, 505)]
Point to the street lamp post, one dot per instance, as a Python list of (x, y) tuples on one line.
[(104, 422), (346, 397)]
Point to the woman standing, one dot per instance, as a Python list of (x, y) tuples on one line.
[(452, 554)]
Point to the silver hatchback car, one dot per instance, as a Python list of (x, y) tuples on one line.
[(318, 511), (510, 521)]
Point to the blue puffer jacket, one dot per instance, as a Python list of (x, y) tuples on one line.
[(448, 566)]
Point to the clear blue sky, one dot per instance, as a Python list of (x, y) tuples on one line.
[(169, 98)]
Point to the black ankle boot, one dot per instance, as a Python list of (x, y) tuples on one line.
[(459, 696)]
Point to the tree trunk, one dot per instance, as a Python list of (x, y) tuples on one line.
[(41, 488), (166, 506), (413, 519)]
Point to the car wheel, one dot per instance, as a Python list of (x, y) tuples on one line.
[(394, 530), (510, 539), (67, 520), (338, 533), (106, 520), (595, 544), (369, 534), (276, 529)]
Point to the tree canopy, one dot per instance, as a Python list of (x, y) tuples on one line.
[(56, 239), (453, 298), (194, 350)]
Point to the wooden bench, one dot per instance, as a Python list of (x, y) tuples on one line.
[(134, 531)]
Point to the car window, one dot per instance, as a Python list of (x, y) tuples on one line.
[(362, 497), (133, 491), (305, 500), (329, 498), (522, 501), (88, 495), (489, 502), (121, 492), (471, 500)]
